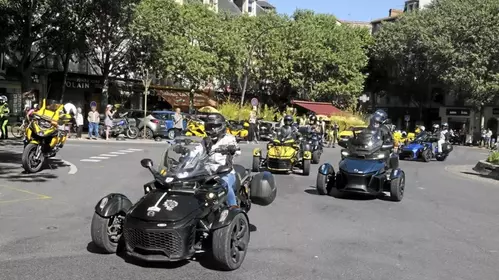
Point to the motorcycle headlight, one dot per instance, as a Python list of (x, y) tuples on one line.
[(344, 153), (182, 175), (381, 156)]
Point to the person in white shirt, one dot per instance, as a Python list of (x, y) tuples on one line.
[(215, 127), (79, 123), (443, 136), (489, 138)]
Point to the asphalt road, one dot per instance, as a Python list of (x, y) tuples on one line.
[(445, 228)]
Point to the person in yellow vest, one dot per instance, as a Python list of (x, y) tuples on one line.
[(4, 116)]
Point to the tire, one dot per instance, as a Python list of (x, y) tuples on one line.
[(316, 157), (17, 130), (98, 231), (26, 159), (441, 158), (306, 167), (132, 132), (426, 155), (397, 188), (322, 184), (227, 254), (149, 133), (255, 167), (171, 134)]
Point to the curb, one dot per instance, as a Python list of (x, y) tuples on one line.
[(487, 169)]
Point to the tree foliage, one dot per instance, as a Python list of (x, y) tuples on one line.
[(451, 44)]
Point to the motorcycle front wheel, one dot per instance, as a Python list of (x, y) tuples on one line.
[(32, 158), (132, 132)]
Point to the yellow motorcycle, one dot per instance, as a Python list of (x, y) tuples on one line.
[(43, 136), (238, 129), (195, 127), (283, 155)]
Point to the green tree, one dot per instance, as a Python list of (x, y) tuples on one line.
[(109, 40), (25, 27), (328, 58)]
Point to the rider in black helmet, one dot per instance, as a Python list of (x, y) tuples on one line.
[(381, 117), (288, 129), (215, 127)]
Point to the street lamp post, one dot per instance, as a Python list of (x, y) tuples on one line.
[(248, 59), (146, 81)]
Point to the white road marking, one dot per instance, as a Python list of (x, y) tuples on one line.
[(100, 157), (126, 151), (107, 155), (90, 160), (117, 153), (136, 150), (72, 168)]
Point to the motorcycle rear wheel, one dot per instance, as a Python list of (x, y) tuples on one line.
[(30, 164), (132, 132)]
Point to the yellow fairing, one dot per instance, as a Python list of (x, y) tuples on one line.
[(243, 133), (257, 152), (307, 155), (281, 152)]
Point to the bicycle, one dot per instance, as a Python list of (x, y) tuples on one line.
[(18, 130)]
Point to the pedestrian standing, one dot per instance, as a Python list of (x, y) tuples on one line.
[(93, 123), (483, 137), (334, 137), (108, 120), (79, 123), (489, 138), (178, 122), (252, 128)]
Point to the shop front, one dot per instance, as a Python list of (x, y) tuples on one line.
[(80, 89), (181, 99), (459, 118)]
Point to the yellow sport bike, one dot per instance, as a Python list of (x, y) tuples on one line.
[(43, 137), (238, 129), (195, 127), (284, 154)]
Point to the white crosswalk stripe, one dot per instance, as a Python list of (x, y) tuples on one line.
[(110, 155)]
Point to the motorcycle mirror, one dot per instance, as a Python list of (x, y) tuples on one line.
[(146, 163), (342, 143)]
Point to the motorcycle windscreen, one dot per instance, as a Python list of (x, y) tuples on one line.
[(283, 152), (413, 147), (160, 207), (361, 166)]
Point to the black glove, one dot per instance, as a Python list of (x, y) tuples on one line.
[(231, 149), (207, 143)]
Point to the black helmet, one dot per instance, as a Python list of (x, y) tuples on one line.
[(375, 121), (288, 120), (215, 126), (312, 119), (383, 116)]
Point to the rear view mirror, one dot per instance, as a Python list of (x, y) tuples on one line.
[(146, 163), (342, 143)]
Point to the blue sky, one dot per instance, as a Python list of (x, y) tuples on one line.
[(362, 10)]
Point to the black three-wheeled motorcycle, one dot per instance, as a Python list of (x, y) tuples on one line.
[(184, 210)]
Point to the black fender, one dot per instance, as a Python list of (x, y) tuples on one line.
[(394, 161), (112, 204), (396, 173), (226, 216), (326, 169)]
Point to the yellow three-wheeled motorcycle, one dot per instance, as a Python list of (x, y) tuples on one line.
[(43, 136), (284, 154)]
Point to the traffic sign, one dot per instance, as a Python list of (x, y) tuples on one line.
[(93, 104), (254, 101), (407, 118), (364, 98)]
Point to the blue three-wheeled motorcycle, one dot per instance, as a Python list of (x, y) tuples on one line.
[(367, 167)]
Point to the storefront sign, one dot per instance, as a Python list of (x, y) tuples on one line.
[(82, 83), (495, 111), (458, 112)]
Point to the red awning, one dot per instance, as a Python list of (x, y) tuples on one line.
[(319, 108)]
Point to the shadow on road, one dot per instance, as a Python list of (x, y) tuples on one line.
[(10, 172), (10, 142), (349, 196)]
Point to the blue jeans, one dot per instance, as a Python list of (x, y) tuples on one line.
[(93, 129), (230, 180)]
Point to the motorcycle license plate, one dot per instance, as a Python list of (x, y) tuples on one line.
[(162, 126)]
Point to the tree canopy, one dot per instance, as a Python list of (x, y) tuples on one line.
[(451, 44)]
